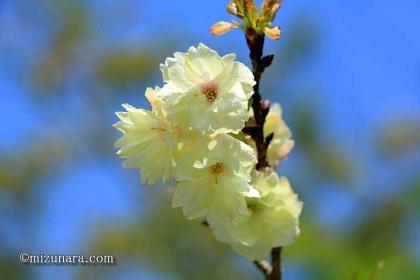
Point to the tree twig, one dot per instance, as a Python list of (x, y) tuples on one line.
[(276, 260), (261, 108), (255, 43)]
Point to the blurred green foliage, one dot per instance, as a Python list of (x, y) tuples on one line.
[(324, 156), (55, 62), (165, 241), (124, 67), (400, 136), (21, 170), (12, 270)]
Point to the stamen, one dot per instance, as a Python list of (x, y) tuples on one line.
[(216, 168), (209, 90), (252, 204)]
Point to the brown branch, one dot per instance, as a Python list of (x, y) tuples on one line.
[(255, 43), (261, 108), (276, 260)]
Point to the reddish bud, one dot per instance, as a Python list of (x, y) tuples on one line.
[(273, 33), (265, 104), (232, 8), (221, 27)]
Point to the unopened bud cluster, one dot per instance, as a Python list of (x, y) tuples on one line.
[(257, 20)]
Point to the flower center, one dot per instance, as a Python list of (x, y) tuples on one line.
[(252, 204), (209, 90), (217, 168)]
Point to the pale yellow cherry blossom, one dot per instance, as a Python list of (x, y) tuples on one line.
[(207, 91), (149, 140), (282, 143), (215, 180), (272, 221)]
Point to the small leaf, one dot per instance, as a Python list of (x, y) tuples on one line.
[(267, 60), (268, 139)]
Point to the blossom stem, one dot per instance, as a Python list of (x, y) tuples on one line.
[(276, 260), (261, 108)]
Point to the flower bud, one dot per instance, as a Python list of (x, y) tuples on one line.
[(268, 11), (267, 5), (249, 4), (251, 11), (273, 33), (221, 27), (265, 104), (232, 8), (275, 8)]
